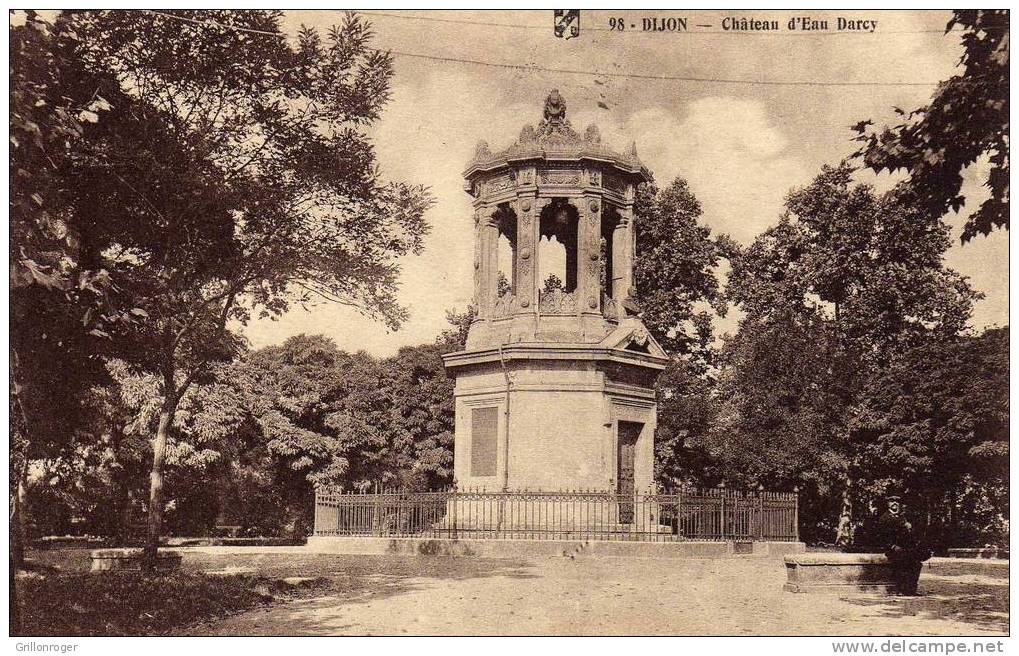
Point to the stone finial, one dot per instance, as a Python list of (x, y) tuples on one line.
[(554, 126), (592, 134), (555, 107), (481, 151), (631, 151), (527, 134)]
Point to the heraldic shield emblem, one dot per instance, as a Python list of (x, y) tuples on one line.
[(567, 23)]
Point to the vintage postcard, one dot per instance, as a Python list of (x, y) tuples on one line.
[(554, 322)]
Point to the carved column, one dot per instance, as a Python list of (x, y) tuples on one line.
[(622, 255), (479, 273), (486, 260), (535, 232), (588, 266), (526, 262), (572, 246)]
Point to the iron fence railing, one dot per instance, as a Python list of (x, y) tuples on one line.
[(714, 514)]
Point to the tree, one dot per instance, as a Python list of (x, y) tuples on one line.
[(503, 285), (967, 118), (422, 417), (676, 290), (780, 394), (305, 413), (455, 338), (62, 311), (673, 272), (236, 177), (552, 283), (932, 428), (687, 410), (861, 278)]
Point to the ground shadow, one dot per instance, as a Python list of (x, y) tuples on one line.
[(979, 601)]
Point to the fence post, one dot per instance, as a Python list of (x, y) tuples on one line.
[(453, 495), (314, 530), (721, 513), (796, 512), (760, 513), (378, 511)]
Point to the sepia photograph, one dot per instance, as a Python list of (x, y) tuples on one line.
[(546, 322)]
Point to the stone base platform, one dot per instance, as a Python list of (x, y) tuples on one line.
[(982, 552), (843, 573), (497, 548)]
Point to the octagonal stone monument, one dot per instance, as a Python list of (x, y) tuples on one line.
[(554, 390)]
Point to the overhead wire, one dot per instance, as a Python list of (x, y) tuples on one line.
[(569, 71)]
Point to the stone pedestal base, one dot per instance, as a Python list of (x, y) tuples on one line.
[(848, 573), (553, 417), (108, 560)]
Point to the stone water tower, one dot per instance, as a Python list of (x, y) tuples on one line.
[(554, 389)]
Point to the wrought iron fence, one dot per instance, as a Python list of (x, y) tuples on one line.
[(715, 514)]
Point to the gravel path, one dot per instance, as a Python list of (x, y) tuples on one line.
[(607, 596)]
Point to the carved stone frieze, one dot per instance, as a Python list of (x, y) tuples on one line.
[(505, 305), (557, 302), (560, 177), (500, 182)]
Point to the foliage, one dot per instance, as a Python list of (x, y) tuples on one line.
[(845, 280), (61, 310), (967, 118), (421, 418), (247, 176), (233, 174), (675, 286), (552, 283), (455, 337), (305, 413), (687, 410), (503, 285), (777, 381), (674, 269), (933, 426), (248, 448), (871, 266), (781, 387)]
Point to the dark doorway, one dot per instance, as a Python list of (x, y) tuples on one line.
[(626, 442)]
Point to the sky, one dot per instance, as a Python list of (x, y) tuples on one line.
[(741, 147)]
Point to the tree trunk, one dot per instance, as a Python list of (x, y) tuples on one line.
[(844, 534), (124, 520), (18, 517), (156, 485), (123, 482), (15, 607)]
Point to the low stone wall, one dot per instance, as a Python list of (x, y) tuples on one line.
[(232, 542), (539, 548), (842, 572), (106, 560), (980, 552)]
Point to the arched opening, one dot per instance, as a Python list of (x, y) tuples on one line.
[(551, 265), (557, 250)]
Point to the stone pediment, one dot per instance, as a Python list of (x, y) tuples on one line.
[(631, 335)]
